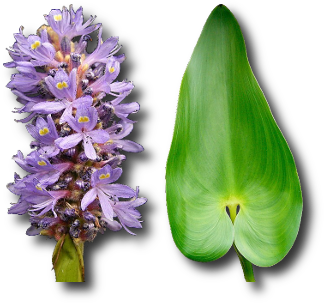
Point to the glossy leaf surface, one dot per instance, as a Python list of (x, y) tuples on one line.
[(227, 151)]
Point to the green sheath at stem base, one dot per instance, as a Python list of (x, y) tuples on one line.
[(246, 265), (68, 260)]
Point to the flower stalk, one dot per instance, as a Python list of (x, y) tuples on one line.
[(78, 120)]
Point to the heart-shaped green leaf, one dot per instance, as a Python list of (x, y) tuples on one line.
[(227, 151)]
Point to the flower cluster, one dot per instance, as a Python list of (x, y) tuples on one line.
[(79, 123)]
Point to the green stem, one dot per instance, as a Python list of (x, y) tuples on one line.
[(246, 265)]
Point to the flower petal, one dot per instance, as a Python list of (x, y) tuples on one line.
[(86, 117), (33, 231), (105, 205), (98, 136), (119, 190), (89, 149), (129, 146), (88, 198), (112, 225), (105, 175), (48, 107), (116, 173), (69, 141)]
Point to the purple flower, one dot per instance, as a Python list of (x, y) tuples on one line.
[(69, 23), (103, 50), (105, 85), (35, 48), (83, 124), (126, 213), (38, 224), (45, 133), (28, 103), (59, 105), (121, 88), (41, 199), (121, 110), (19, 208), (112, 69), (27, 80), (16, 54), (101, 188), (34, 197), (116, 133), (62, 85), (37, 163)]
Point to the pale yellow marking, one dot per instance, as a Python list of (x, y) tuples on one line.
[(84, 119), (62, 85), (104, 176), (43, 131), (109, 142), (38, 187), (57, 17), (111, 69), (41, 163), (35, 45)]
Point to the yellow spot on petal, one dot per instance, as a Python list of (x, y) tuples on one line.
[(35, 45), (83, 119), (43, 131), (104, 176), (57, 17), (62, 85), (41, 163), (109, 142), (38, 187), (111, 69)]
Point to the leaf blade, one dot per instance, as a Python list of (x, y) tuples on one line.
[(228, 150)]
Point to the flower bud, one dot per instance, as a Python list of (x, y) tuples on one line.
[(65, 45), (75, 60)]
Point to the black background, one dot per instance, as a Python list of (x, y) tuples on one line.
[(158, 38)]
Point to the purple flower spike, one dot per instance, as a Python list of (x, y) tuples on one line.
[(78, 137)]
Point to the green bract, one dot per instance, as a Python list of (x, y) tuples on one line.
[(228, 153), (68, 260)]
